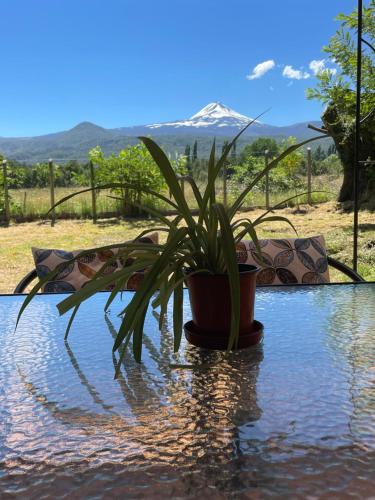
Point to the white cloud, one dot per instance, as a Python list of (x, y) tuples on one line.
[(295, 74), (319, 65), (261, 69)]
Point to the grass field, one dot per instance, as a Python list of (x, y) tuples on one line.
[(17, 239), (33, 204)]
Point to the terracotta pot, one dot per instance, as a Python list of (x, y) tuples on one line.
[(211, 310)]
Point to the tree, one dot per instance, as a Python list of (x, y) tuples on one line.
[(259, 146), (319, 154), (284, 176), (133, 165), (337, 91), (233, 154), (331, 150), (286, 171), (187, 152), (188, 159), (195, 152), (330, 165)]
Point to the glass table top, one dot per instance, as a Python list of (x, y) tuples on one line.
[(294, 417)]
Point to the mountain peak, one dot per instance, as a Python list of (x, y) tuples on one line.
[(87, 126), (218, 110), (85, 130), (214, 116), (212, 107)]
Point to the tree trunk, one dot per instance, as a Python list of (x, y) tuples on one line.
[(343, 135)]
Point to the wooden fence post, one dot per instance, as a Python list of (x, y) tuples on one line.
[(267, 180), (139, 194), (93, 192), (24, 203), (52, 190), (309, 169), (6, 193)]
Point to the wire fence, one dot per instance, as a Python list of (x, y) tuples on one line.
[(27, 204)]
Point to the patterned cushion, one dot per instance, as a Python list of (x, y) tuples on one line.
[(76, 274), (287, 261)]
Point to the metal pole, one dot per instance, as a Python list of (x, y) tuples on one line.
[(309, 165), (267, 180), (52, 190), (93, 192), (6, 193), (357, 137)]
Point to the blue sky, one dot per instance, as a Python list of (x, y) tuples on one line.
[(130, 62)]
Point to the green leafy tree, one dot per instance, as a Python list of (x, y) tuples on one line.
[(40, 175), (188, 158), (195, 152), (331, 165), (16, 175), (284, 176), (331, 150), (134, 166), (74, 173), (287, 171), (337, 91), (319, 154), (259, 146), (187, 152)]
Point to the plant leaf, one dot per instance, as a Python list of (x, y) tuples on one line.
[(149, 284), (170, 177), (275, 218), (71, 319), (178, 302), (114, 185)]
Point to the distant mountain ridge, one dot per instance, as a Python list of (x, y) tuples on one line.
[(214, 120)]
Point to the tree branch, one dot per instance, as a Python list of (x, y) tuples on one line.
[(317, 129)]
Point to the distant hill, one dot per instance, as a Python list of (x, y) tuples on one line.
[(214, 120)]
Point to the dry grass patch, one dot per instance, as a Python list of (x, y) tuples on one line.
[(336, 226)]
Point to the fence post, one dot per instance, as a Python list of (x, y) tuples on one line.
[(6, 193), (52, 190), (93, 192), (309, 168), (225, 192), (267, 180), (24, 203), (139, 194)]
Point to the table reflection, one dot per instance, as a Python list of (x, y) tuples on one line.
[(288, 416)]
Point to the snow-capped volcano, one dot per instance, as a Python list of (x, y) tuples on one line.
[(210, 118), (216, 112)]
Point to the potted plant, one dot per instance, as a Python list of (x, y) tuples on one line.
[(199, 251)]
